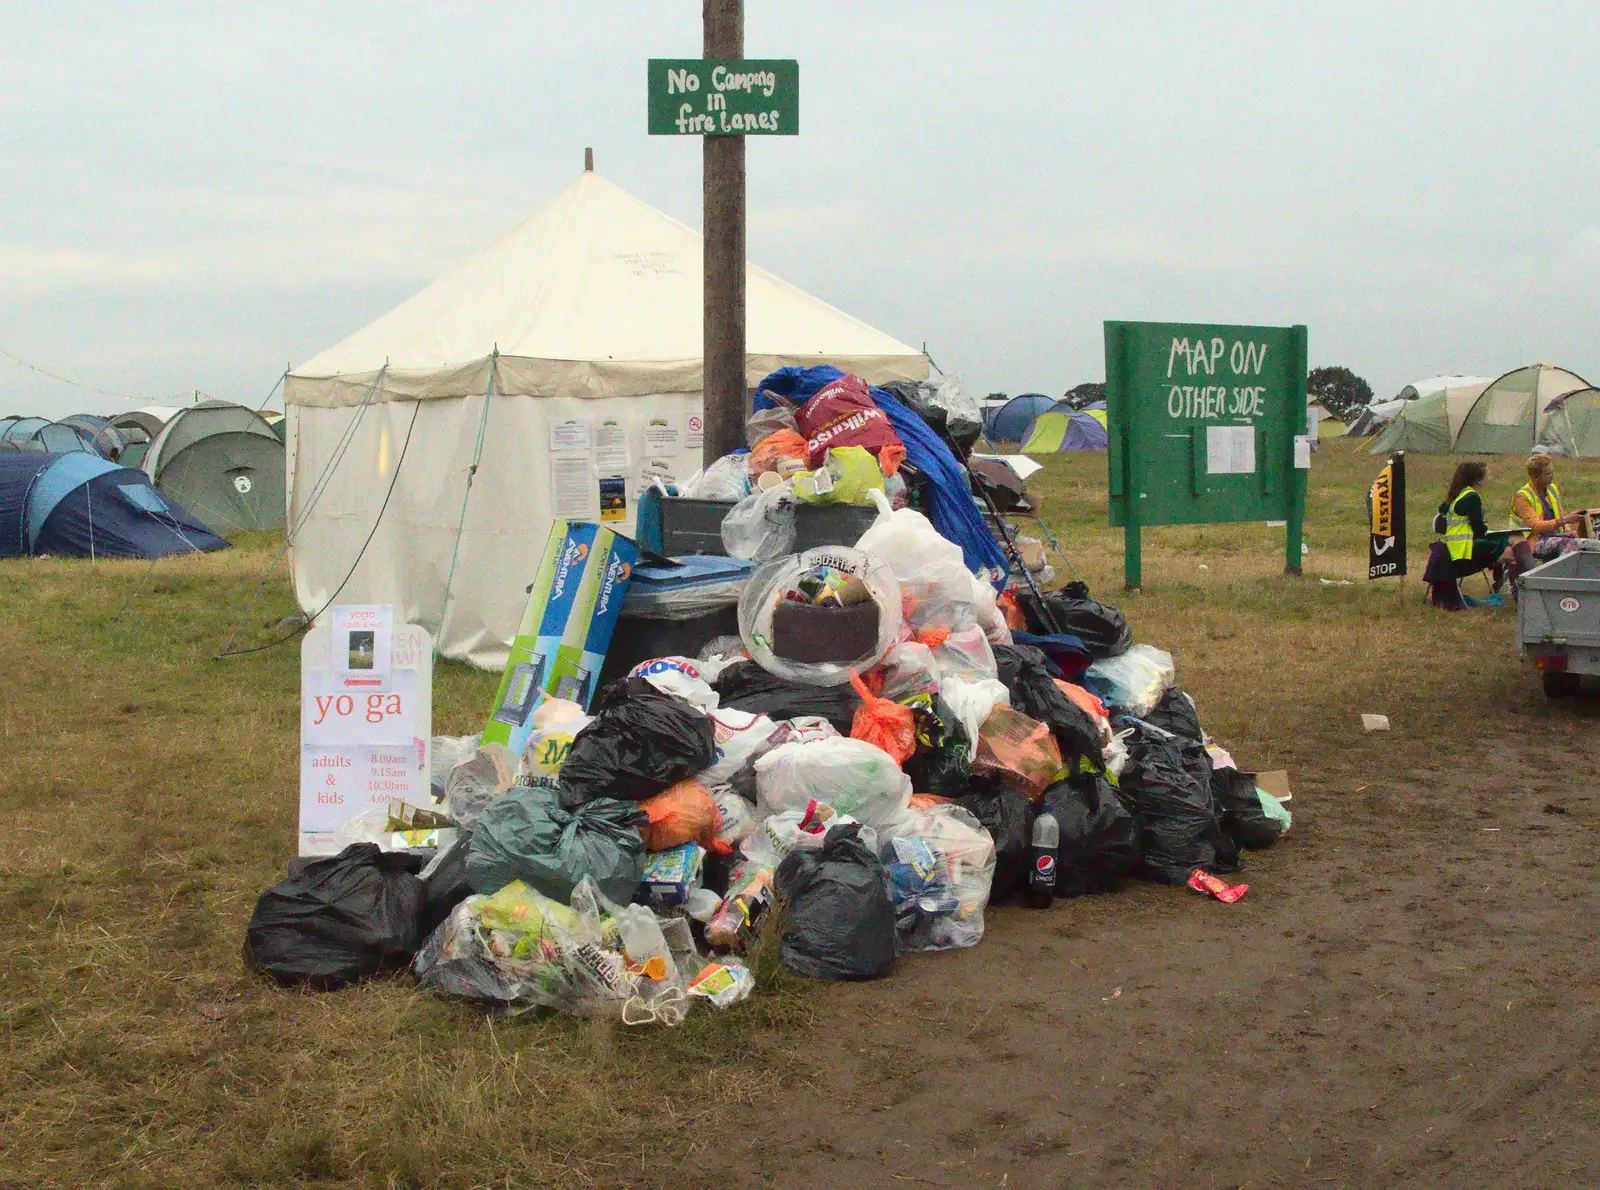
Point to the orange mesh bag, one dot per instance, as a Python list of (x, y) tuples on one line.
[(883, 723)]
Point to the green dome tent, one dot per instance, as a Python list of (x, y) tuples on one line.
[(1572, 425), (223, 463), (1509, 416), (1430, 424)]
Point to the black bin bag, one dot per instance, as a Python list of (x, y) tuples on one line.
[(1177, 713), (838, 922), (1239, 807), (1008, 817), (332, 921), (1102, 628), (745, 686), (1099, 837), (1167, 784), (641, 741), (1033, 692)]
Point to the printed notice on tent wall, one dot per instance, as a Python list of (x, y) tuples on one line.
[(359, 747), (573, 496), (662, 436), (1230, 450), (695, 439), (611, 449), (569, 435), (1302, 452)]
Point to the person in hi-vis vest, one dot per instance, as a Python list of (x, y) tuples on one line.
[(1466, 533), (1537, 508)]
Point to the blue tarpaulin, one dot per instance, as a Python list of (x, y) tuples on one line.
[(949, 503)]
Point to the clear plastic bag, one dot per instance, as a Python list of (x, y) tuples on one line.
[(477, 781), (1019, 750), (444, 753), (1135, 681), (764, 422), (767, 588), (761, 526), (940, 865), (854, 777), (966, 653)]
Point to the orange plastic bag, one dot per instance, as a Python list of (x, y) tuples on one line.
[(883, 723), (783, 451), (1014, 617), (1022, 751), (684, 813), (1085, 701)]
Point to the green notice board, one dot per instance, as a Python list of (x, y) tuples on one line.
[(724, 96), (1207, 425)]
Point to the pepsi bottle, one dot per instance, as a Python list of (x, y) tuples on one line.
[(1042, 856)]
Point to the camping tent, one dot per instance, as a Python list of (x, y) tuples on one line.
[(59, 437), (1097, 410), (79, 505), (1013, 420), (126, 437), (224, 462), (1372, 418), (1572, 425), (567, 352), (1430, 424), (22, 428), (1509, 415), (1064, 428)]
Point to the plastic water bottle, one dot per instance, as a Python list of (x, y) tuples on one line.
[(1042, 868)]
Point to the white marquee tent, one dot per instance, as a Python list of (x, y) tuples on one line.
[(591, 310)]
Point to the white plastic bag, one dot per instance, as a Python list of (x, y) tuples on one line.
[(555, 723), (739, 736), (726, 479), (1134, 681), (766, 590), (761, 526), (987, 612), (852, 776), (909, 669), (684, 677), (971, 701), (929, 567), (738, 816)]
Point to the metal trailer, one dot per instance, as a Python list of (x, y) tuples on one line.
[(1558, 619)]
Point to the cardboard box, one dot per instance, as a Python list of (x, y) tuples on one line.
[(572, 611)]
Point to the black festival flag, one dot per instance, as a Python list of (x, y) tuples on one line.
[(1386, 509)]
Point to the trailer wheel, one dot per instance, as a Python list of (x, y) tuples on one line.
[(1558, 684)]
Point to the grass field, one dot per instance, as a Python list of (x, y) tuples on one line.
[(150, 794)]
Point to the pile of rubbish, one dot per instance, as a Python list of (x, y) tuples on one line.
[(887, 749)]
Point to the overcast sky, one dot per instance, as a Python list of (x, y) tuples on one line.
[(193, 195)]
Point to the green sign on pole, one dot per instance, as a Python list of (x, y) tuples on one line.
[(1207, 425), (724, 96)]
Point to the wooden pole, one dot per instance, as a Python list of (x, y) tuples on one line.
[(725, 396)]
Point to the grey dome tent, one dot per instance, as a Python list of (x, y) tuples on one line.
[(61, 437), (127, 436), (223, 463), (1509, 416)]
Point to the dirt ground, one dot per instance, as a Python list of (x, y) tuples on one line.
[(1406, 997)]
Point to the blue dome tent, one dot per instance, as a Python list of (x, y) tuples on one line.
[(1013, 420), (79, 505)]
